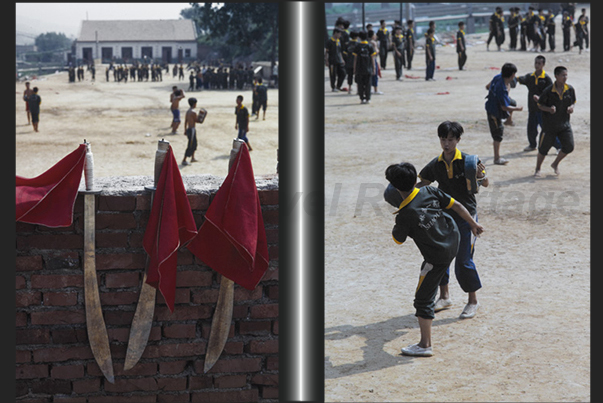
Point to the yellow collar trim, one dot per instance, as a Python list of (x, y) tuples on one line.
[(457, 156), (542, 75), (407, 200), (565, 88)]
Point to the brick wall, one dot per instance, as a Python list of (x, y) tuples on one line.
[(54, 359)]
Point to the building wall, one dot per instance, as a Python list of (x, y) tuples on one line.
[(54, 359), (137, 49)]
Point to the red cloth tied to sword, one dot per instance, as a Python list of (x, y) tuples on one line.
[(171, 225), (232, 239), (48, 199)]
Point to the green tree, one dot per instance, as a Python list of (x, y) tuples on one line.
[(52, 41), (237, 29)]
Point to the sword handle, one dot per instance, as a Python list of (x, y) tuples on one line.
[(162, 149), (89, 167), (236, 147)]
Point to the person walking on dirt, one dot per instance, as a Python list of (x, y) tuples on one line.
[(28, 91), (34, 102)]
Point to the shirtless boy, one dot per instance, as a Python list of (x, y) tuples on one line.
[(190, 120), (175, 98)]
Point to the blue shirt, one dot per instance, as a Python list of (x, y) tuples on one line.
[(498, 96)]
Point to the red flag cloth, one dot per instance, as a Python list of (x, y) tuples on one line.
[(171, 225), (48, 199), (232, 239)]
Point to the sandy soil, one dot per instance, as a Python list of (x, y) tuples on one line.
[(530, 340), (124, 121)]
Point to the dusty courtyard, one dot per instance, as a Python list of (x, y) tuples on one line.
[(530, 340), (124, 121)]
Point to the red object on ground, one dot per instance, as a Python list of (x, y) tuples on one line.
[(48, 199), (171, 225), (414, 77), (232, 239), (443, 93)]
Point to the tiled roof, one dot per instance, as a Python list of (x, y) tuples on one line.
[(137, 30)]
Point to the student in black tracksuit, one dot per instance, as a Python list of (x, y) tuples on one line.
[(364, 60), (334, 59), (461, 48), (567, 24), (409, 43), (384, 41), (349, 59), (398, 40)]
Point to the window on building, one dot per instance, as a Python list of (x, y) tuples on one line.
[(107, 54), (146, 51), (126, 53)]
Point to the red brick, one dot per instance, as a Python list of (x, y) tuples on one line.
[(177, 398), (256, 328), (143, 201), (263, 346), (233, 347), (265, 379), (249, 395), (182, 296), (183, 313), (20, 282), (86, 386), (55, 281), (206, 329), (69, 399), (117, 318), (122, 280), (32, 371), (275, 327), (264, 311), (199, 201), (230, 381), (271, 235), (27, 298), (143, 398), (23, 227), (115, 221), (58, 317), (268, 197), (273, 252), (22, 356), (199, 382), (67, 371), (205, 296), (243, 294), (119, 298), (240, 311), (71, 335), (271, 273), (235, 365), (60, 298), (269, 393), (112, 240), (180, 331), (194, 278), (272, 292), (120, 261), (59, 354), (182, 349), (131, 384), (272, 363), (52, 241), (140, 369), (21, 319), (57, 260), (28, 263), (270, 216), (171, 384), (32, 336), (172, 367), (51, 387), (117, 203)]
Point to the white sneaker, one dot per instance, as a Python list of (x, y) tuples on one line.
[(417, 351), (442, 304), (469, 311)]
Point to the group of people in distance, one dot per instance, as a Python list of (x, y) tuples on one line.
[(443, 221)]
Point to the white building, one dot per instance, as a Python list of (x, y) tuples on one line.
[(165, 41)]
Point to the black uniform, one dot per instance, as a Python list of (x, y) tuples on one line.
[(363, 53), (557, 125), (336, 63)]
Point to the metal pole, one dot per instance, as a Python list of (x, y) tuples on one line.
[(363, 17)]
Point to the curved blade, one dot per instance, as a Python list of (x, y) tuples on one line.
[(220, 323), (141, 324), (97, 331)]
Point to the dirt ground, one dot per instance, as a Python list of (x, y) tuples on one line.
[(124, 121), (530, 340)]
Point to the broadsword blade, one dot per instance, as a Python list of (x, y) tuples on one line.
[(220, 323), (141, 324), (97, 331)]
